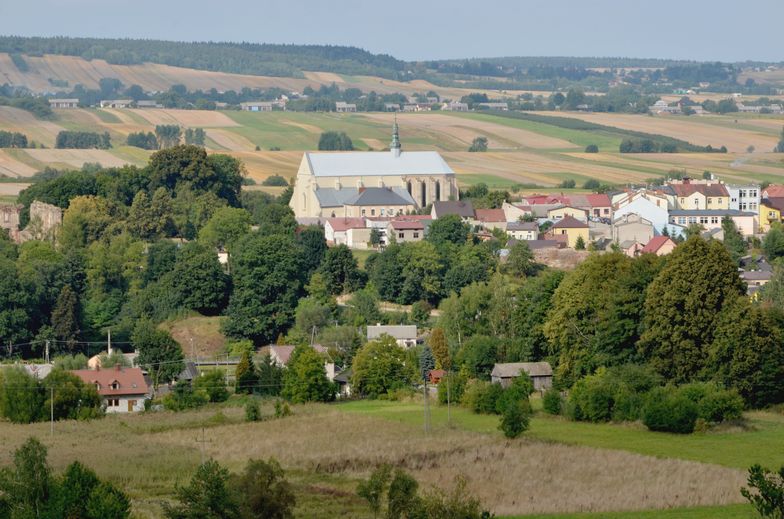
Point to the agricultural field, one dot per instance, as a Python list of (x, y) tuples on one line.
[(514, 478), (521, 151)]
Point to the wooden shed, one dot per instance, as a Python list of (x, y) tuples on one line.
[(541, 373)]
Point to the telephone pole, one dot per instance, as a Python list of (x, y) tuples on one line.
[(46, 355), (51, 411)]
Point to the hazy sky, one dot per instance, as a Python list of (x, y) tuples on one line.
[(412, 30)]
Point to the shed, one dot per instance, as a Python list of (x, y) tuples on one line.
[(541, 373)]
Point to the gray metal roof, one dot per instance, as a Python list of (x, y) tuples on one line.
[(462, 208), (381, 196), (403, 331), (331, 197), (522, 226), (379, 163), (513, 369)]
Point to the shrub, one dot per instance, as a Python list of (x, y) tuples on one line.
[(252, 411), (628, 405), (592, 398), (282, 409), (592, 148), (721, 405), (275, 180), (214, 385), (456, 384), (551, 402), (183, 396), (515, 418), (669, 410), (482, 397), (518, 391)]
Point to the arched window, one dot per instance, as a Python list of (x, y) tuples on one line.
[(424, 195), (408, 186), (438, 191)]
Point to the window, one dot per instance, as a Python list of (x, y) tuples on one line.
[(692, 219), (363, 212), (742, 193), (115, 385), (683, 201), (771, 215), (703, 220), (714, 219), (682, 220), (734, 199), (383, 211), (113, 402), (372, 212), (606, 210), (696, 202), (401, 235), (743, 206), (753, 193), (416, 235), (753, 206)]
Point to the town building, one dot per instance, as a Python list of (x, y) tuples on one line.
[(402, 231), (491, 218), (116, 103), (504, 107), (455, 106), (522, 230), (770, 212), (335, 229), (122, 390), (63, 103), (256, 106), (541, 373), (689, 195), (558, 213), (570, 230), (710, 219), (632, 226), (342, 107), (659, 245), (405, 334), (744, 197), (462, 208), (325, 181)]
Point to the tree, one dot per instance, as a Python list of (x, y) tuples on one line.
[(780, 146), (270, 377), (448, 229), (733, 239), (213, 384), (515, 418), (264, 491), (340, 270), (363, 308), (65, 316), (421, 273), (440, 348), (335, 141), (245, 375), (479, 354), (161, 257), (579, 244), (268, 283), (402, 499), (28, 485), (108, 502), (374, 488), (766, 491), (85, 221), (381, 366), (478, 144), (21, 398), (168, 135), (225, 227), (14, 299), (159, 353), (275, 180), (76, 485), (520, 261), (773, 242), (305, 379), (313, 246), (683, 306), (426, 362), (592, 148), (197, 280), (73, 399), (206, 497)]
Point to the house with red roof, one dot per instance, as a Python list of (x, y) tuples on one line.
[(698, 196), (491, 218), (659, 245), (122, 390), (336, 229)]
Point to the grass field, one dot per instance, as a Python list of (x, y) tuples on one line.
[(741, 511)]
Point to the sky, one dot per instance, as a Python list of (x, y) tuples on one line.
[(431, 29)]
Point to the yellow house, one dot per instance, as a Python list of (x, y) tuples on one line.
[(558, 213), (700, 196), (770, 212), (570, 230)]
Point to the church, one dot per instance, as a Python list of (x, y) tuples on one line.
[(368, 184)]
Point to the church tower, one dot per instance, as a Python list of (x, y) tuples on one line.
[(394, 147)]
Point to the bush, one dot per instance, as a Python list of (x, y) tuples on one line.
[(282, 409), (275, 180), (592, 398), (252, 411), (628, 405), (518, 391), (482, 397), (456, 382), (214, 384), (551, 401), (669, 410), (515, 418), (592, 148), (721, 405), (183, 396)]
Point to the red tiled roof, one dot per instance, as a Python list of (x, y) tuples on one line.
[(344, 224), (569, 222), (705, 189), (490, 215), (406, 225), (130, 380), (598, 200), (773, 191), (656, 243)]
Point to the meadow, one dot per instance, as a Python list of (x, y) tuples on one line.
[(326, 449)]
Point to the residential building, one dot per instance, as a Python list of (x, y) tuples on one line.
[(557, 213), (522, 230), (698, 196), (631, 248), (256, 106), (455, 106), (659, 245), (148, 104), (342, 107), (504, 107), (63, 103), (404, 335), (116, 103), (744, 197), (464, 209), (773, 191), (335, 229), (280, 354), (653, 211), (516, 212), (541, 373), (491, 218), (770, 211), (710, 220), (358, 238), (570, 228), (122, 390), (391, 107), (343, 381), (325, 181), (632, 226), (403, 231)]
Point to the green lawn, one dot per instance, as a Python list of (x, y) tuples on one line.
[(760, 442), (706, 512), (361, 256)]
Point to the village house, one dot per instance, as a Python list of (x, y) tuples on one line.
[(541, 373), (455, 106), (391, 107), (659, 245), (404, 334), (570, 230), (710, 220), (342, 107), (327, 181), (690, 195), (63, 103), (770, 211), (335, 229), (116, 103), (256, 106), (744, 197), (491, 218), (148, 104), (522, 230), (464, 209), (558, 213), (122, 390), (516, 212), (632, 227), (358, 238), (402, 231), (631, 248)]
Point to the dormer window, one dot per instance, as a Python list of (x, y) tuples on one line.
[(114, 385)]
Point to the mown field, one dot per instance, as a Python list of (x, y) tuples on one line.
[(327, 449), (521, 151)]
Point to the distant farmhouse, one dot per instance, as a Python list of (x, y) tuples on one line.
[(63, 103), (360, 183)]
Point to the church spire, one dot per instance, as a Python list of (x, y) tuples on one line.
[(395, 146)]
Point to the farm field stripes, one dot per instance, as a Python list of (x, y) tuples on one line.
[(739, 511)]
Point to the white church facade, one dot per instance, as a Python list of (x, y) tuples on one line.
[(361, 183)]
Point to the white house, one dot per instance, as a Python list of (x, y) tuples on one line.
[(404, 335), (123, 390), (116, 103), (256, 106), (64, 103), (522, 230), (342, 107)]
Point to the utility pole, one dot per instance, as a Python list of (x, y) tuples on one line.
[(51, 411), (427, 407), (227, 369), (448, 408), (202, 442), (109, 341), (46, 355), (193, 350)]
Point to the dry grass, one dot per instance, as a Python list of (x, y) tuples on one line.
[(185, 118), (17, 120), (12, 168), (205, 333), (76, 158)]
